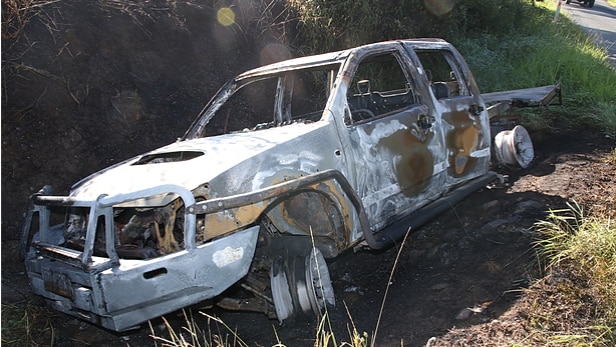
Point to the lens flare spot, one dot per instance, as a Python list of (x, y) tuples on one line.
[(439, 7), (225, 16)]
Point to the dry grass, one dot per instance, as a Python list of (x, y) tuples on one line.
[(583, 247), (26, 324), (216, 334), (17, 13), (574, 304)]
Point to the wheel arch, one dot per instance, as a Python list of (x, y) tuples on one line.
[(312, 212), (323, 202)]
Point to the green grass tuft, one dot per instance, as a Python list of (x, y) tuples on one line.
[(584, 247)]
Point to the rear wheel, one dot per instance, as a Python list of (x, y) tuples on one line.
[(301, 285)]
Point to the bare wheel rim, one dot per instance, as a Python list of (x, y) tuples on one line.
[(523, 146), (281, 293), (319, 287), (514, 147)]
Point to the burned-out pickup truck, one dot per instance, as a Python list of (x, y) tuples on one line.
[(287, 165)]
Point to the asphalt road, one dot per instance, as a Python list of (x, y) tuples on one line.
[(599, 21)]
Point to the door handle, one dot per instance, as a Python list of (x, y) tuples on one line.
[(475, 110), (424, 121)]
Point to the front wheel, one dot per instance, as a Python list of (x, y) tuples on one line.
[(301, 285), (318, 285), (591, 3)]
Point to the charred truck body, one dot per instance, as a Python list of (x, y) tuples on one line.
[(287, 165)]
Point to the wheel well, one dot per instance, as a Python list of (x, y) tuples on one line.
[(313, 213)]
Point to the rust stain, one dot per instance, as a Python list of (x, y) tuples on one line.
[(461, 142), (457, 118), (217, 224), (306, 211), (416, 165)]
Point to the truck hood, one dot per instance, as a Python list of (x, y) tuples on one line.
[(186, 163)]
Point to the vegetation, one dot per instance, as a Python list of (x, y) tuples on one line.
[(508, 45), (15, 15), (26, 323), (556, 53), (219, 334), (581, 249), (194, 335)]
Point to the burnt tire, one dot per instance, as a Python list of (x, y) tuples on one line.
[(301, 286)]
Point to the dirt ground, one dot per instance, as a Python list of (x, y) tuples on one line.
[(85, 86), (461, 275)]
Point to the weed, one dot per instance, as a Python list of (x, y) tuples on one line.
[(584, 248), (15, 15), (26, 324), (191, 335), (612, 157)]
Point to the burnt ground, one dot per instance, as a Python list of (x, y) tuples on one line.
[(87, 84), (468, 268)]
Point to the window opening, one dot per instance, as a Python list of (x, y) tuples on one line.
[(379, 87), (250, 106), (445, 77), (287, 97)]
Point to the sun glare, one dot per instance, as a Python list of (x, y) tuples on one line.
[(438, 7), (225, 16)]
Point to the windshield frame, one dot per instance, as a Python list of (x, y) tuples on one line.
[(197, 128)]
